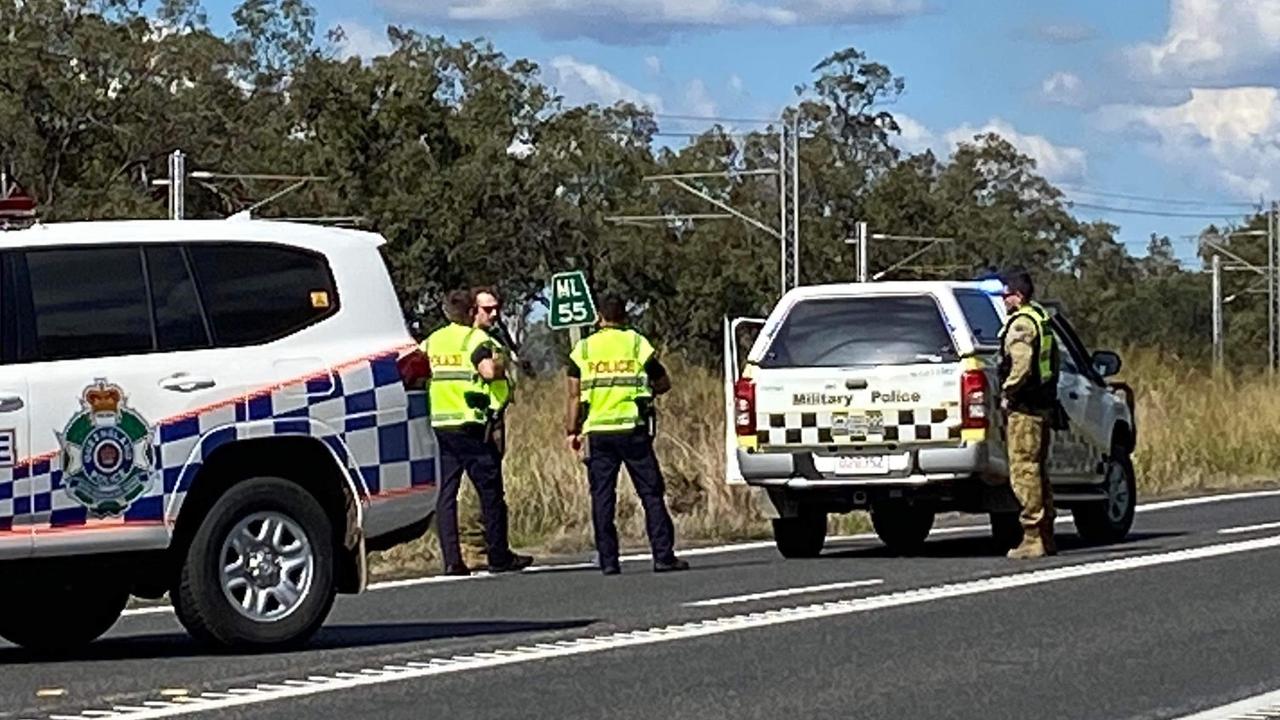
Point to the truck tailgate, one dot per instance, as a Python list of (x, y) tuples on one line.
[(897, 406)]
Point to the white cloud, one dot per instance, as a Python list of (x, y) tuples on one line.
[(1063, 88), (362, 41), (654, 63), (736, 84), (583, 83), (698, 101), (1226, 137), (1055, 162), (915, 137), (1064, 33), (641, 21), (1213, 43)]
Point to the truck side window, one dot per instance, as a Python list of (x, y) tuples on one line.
[(980, 313), (87, 302)]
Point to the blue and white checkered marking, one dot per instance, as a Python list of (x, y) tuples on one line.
[(357, 410)]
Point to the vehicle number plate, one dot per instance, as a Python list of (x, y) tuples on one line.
[(862, 464)]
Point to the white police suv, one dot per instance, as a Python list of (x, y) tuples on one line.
[(883, 397), (231, 412)]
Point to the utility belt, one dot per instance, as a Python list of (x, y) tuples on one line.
[(645, 409)]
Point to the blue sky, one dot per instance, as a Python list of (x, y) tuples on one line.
[(1175, 100)]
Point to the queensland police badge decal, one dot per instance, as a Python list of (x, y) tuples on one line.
[(107, 452)]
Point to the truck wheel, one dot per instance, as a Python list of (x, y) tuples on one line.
[(1006, 530), (1109, 521), (801, 537), (57, 615), (901, 527), (259, 573)]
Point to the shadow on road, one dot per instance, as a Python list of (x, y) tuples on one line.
[(969, 547), (331, 637)]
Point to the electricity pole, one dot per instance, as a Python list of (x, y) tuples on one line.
[(1217, 313)]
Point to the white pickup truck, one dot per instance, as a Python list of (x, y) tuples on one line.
[(883, 397)]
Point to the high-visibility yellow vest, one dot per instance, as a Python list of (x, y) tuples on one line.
[(500, 388), (1041, 392), (458, 395), (612, 378), (1044, 337)]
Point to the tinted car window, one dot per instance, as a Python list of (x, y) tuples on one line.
[(179, 323), (859, 331), (256, 293), (981, 315), (87, 302)]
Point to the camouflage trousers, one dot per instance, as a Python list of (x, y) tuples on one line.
[(1029, 438)]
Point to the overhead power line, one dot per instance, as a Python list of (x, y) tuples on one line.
[(1151, 213), (715, 118), (1157, 200)]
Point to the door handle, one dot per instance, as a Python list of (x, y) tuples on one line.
[(10, 403), (184, 382)]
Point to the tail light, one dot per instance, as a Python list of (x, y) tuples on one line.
[(415, 369), (973, 400), (744, 406)]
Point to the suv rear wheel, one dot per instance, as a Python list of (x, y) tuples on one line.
[(802, 536), (903, 528), (260, 570), (1109, 521)]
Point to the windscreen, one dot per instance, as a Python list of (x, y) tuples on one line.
[(861, 331)]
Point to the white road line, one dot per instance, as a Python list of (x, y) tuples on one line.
[(1206, 499), (756, 545), (520, 654), (1248, 528), (1265, 705), (784, 592)]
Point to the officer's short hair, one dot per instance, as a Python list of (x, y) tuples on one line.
[(1019, 281), (459, 306), (613, 308), (479, 290)]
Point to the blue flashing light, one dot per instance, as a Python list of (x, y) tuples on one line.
[(992, 286)]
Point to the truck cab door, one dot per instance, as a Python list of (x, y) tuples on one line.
[(739, 335)]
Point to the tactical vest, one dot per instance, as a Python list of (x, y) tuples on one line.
[(1040, 392), (615, 393), (458, 395), (500, 388)]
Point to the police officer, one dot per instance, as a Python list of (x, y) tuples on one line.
[(1029, 398), (488, 312), (463, 363), (613, 377)]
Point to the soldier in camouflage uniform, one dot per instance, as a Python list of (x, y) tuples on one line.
[(1029, 398)]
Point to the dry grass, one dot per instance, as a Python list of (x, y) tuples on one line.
[(1196, 434)]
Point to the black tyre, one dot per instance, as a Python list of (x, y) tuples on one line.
[(903, 528), (1109, 521), (1006, 530), (54, 615), (801, 537), (259, 574)]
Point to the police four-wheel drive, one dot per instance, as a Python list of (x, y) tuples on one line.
[(885, 397), (231, 412)]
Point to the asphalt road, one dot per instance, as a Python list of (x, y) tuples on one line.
[(1180, 618)]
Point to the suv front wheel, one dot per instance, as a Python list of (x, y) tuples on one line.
[(259, 573)]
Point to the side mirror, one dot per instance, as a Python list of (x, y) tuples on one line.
[(1106, 363)]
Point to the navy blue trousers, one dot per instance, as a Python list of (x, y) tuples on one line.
[(606, 454)]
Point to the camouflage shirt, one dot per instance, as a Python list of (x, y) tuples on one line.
[(1020, 349)]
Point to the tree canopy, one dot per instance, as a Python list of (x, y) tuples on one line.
[(478, 173)]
